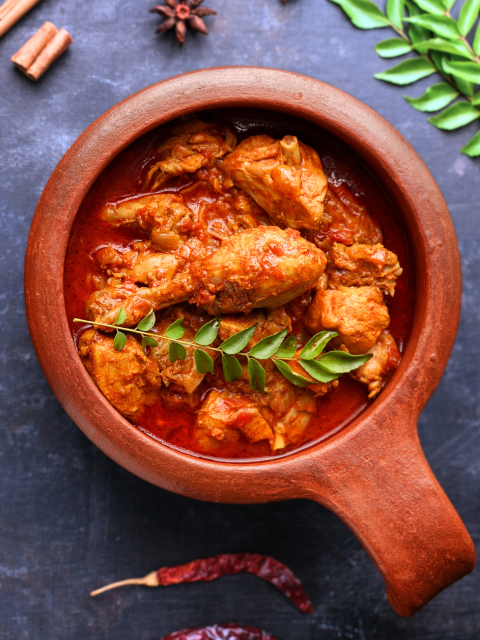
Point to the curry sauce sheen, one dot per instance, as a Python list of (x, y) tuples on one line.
[(124, 178)]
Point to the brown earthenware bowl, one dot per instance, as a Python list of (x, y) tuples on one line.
[(373, 473)]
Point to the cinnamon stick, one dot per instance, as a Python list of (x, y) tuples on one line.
[(13, 11), (53, 50), (6, 6), (30, 51)]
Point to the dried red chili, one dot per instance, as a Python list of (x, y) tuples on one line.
[(221, 632), (226, 564)]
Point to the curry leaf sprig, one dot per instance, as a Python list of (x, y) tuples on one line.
[(427, 28), (280, 348)]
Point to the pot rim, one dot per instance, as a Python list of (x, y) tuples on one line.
[(386, 153)]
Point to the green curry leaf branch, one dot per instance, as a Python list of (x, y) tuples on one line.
[(427, 29), (279, 348)]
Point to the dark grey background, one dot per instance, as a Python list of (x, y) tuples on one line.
[(72, 519)]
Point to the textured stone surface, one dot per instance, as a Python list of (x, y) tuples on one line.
[(72, 519)]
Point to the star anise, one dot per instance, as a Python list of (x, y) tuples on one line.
[(180, 13)]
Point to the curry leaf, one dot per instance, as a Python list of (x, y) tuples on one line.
[(147, 323), (363, 13), (441, 25), (468, 15), (257, 375), (316, 345), (434, 7), (442, 61), (464, 86), (203, 362), (476, 99), (407, 71), (119, 341), (317, 371), (267, 347), (288, 348), (395, 9), (341, 362), (445, 50), (439, 44), (436, 97), (458, 115), (176, 352), (121, 317), (264, 350), (392, 48), (416, 32), (176, 330), (238, 341), (294, 378), (207, 334), (148, 341), (472, 148), (476, 41), (469, 71), (438, 58), (232, 369)]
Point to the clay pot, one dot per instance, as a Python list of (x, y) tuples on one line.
[(373, 473)]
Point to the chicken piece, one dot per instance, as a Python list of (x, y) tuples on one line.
[(285, 177), (103, 306), (141, 264), (226, 216), (292, 409), (290, 429), (128, 379), (298, 307), (226, 416), (322, 388), (287, 408), (212, 187), (194, 145), (358, 314), (386, 358), (178, 399), (163, 217), (182, 375), (247, 210), (345, 219), (95, 281), (258, 268), (363, 265), (199, 215), (183, 235), (267, 324)]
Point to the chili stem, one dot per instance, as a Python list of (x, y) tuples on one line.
[(150, 580)]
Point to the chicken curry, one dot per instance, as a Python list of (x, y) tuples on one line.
[(215, 221)]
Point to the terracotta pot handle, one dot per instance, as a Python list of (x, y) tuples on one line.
[(382, 487)]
